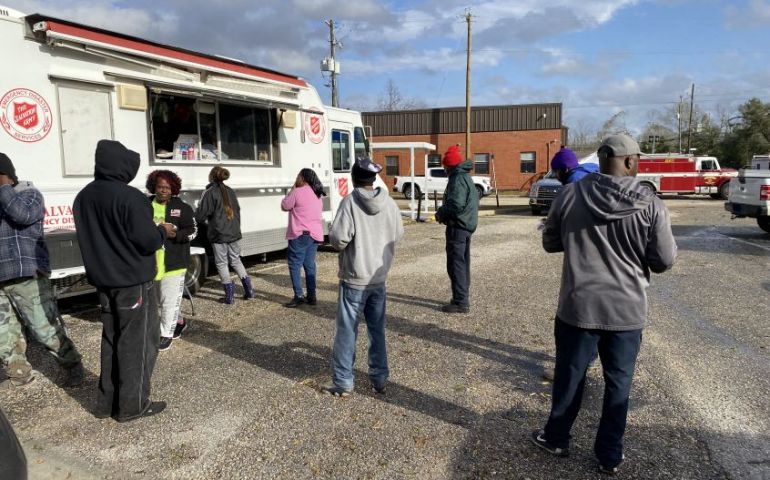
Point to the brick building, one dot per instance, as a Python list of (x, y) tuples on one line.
[(513, 142)]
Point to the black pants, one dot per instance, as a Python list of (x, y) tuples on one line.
[(130, 337), (575, 348), (458, 264)]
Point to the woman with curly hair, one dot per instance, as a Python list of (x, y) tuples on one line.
[(174, 257), (220, 210), (305, 232)]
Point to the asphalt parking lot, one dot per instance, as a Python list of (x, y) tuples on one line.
[(465, 391)]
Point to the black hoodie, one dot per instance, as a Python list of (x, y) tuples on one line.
[(117, 235)]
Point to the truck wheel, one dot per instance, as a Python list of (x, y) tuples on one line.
[(764, 223), (480, 191), (724, 191), (536, 211), (408, 191), (196, 273)]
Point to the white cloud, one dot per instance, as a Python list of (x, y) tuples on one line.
[(755, 15)]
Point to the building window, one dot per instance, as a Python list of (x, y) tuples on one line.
[(434, 160), (481, 163), (391, 166), (527, 162)]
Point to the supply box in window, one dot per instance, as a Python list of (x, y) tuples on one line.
[(68, 85)]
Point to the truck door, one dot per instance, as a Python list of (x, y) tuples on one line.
[(436, 181), (342, 162)]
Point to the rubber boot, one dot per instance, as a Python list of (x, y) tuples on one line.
[(229, 293), (248, 290)]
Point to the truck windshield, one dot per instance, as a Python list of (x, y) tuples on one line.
[(360, 143)]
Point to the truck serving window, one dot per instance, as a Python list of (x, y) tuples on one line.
[(186, 128)]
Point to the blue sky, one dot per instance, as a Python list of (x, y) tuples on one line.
[(598, 57)]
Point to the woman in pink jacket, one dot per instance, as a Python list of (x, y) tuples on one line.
[(305, 232)]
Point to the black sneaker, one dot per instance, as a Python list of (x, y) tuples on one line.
[(454, 308), (165, 343), (538, 438), (311, 300), (180, 329), (295, 302), (378, 388), (611, 471), (75, 376), (153, 409), (336, 391)]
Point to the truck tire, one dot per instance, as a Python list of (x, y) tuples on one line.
[(408, 191), (480, 191), (724, 190), (536, 211), (197, 271), (764, 223)]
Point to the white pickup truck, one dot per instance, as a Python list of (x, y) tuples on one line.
[(436, 182), (750, 193)]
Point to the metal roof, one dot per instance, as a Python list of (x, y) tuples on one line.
[(499, 118)]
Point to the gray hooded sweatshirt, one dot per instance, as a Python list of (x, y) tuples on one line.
[(613, 232), (365, 231)]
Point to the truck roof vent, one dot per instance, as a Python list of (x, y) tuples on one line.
[(9, 12)]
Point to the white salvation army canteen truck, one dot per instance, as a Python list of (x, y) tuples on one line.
[(64, 86)]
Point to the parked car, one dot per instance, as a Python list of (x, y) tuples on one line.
[(436, 182), (542, 193)]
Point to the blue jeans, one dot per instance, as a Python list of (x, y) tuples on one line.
[(575, 348), (351, 303), (302, 252)]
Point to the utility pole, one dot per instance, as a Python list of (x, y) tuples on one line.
[(679, 120), (468, 19), (689, 125), (334, 69)]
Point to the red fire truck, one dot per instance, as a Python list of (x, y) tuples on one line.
[(685, 174)]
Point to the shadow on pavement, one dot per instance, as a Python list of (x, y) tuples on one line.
[(299, 360)]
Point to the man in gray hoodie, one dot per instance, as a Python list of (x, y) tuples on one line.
[(365, 231), (613, 233)]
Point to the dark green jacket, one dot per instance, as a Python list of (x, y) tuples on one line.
[(461, 201)]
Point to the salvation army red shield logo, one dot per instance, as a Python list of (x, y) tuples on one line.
[(25, 115), (342, 187), (315, 127)]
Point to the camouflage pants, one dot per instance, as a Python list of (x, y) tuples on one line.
[(36, 309)]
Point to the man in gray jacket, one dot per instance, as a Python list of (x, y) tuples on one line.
[(613, 233), (365, 231)]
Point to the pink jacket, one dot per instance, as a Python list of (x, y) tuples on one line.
[(304, 209)]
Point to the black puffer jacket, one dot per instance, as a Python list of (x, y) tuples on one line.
[(211, 210), (181, 215), (117, 236)]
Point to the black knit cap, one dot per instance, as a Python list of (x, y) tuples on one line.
[(365, 171), (7, 168)]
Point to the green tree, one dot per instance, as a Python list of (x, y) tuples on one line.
[(747, 135)]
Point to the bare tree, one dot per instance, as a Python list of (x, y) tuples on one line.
[(392, 99)]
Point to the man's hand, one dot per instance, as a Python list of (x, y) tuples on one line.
[(170, 230)]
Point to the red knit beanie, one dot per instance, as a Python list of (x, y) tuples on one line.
[(452, 157)]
